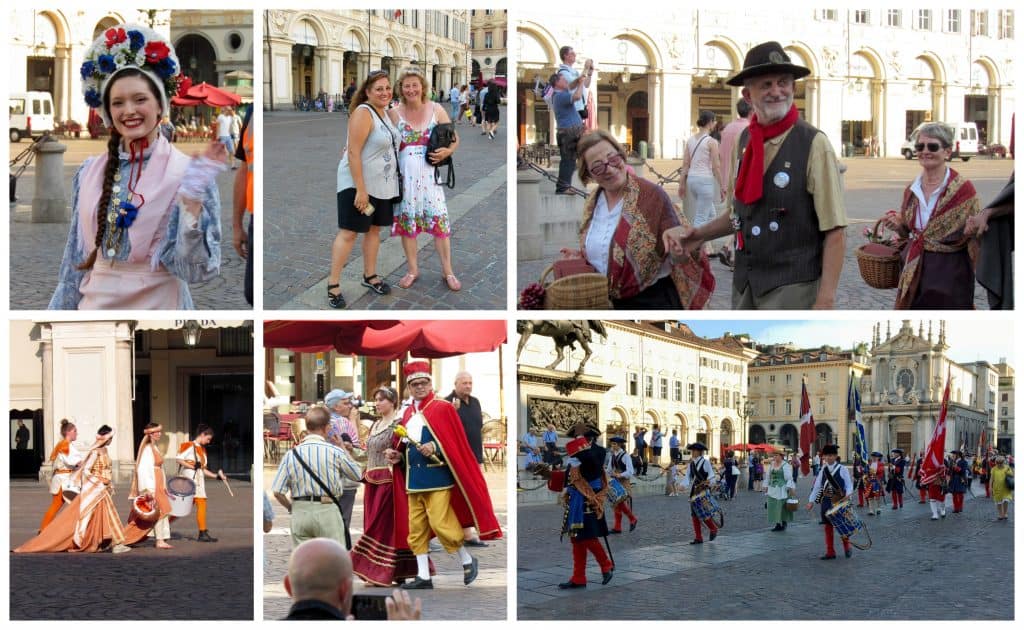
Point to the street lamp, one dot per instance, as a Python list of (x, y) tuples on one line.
[(191, 331)]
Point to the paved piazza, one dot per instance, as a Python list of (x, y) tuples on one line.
[(956, 568)]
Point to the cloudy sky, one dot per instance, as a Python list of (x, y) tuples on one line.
[(969, 339)]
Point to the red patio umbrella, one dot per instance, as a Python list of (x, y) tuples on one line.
[(387, 339), (212, 95), (750, 447)]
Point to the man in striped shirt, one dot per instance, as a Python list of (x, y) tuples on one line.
[(314, 514)]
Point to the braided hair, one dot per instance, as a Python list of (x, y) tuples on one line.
[(113, 163)]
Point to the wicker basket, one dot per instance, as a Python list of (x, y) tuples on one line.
[(581, 291), (879, 264)]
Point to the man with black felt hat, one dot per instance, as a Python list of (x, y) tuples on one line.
[(619, 465), (700, 474), (897, 477), (958, 469), (788, 214), (831, 485), (584, 499)]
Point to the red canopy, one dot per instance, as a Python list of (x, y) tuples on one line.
[(206, 94), (750, 447), (431, 339)]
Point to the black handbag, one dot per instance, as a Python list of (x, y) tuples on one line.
[(1009, 481), (442, 136)]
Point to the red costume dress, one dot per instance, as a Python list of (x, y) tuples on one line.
[(875, 480)]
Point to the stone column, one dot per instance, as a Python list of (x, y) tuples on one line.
[(49, 203), (530, 241), (655, 121), (444, 71), (50, 425)]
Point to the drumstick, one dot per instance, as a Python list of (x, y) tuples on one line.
[(228, 486)]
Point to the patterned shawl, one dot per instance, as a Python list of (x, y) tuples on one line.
[(637, 251), (944, 232)]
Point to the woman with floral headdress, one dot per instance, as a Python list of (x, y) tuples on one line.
[(149, 481), (145, 217), (90, 522)]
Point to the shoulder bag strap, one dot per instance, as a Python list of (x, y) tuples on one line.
[(394, 148), (323, 486)]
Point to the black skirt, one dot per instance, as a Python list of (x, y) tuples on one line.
[(353, 220), (660, 295)]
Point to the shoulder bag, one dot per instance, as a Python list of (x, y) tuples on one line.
[(398, 168), (442, 136), (327, 491)]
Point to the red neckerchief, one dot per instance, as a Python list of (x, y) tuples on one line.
[(749, 182), (136, 149)]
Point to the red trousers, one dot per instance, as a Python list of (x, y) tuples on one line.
[(897, 499), (988, 488), (579, 558), (958, 501), (696, 527), (620, 509), (860, 496), (924, 494), (830, 548)]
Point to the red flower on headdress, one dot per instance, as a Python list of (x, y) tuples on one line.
[(115, 36), (156, 52), (184, 85)]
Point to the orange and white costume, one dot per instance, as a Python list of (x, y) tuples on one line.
[(149, 479), (195, 453), (65, 459)]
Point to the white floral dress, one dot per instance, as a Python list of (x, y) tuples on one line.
[(423, 208)]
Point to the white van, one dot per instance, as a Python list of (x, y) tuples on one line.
[(965, 141), (31, 113)]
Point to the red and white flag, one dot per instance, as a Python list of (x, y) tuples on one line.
[(807, 434), (934, 462), (981, 444)]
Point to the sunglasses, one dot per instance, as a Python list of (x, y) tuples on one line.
[(377, 73), (599, 167), (933, 147)]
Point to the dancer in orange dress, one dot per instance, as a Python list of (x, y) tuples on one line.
[(149, 481), (90, 522), (66, 460)]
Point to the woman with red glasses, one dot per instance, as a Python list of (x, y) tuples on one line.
[(939, 258), (621, 235)]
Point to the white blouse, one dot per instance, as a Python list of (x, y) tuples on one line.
[(927, 206), (602, 229)]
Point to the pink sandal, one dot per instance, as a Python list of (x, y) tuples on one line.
[(407, 280), (452, 282)]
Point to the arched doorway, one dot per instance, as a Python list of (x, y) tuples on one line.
[(726, 434), (823, 436), (638, 116), (39, 70), (501, 68), (703, 431), (304, 35), (350, 67), (476, 69), (789, 436), (757, 435), (198, 59)]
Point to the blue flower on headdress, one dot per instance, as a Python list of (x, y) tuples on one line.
[(165, 67), (126, 215), (137, 40), (92, 98), (107, 63), (87, 69)]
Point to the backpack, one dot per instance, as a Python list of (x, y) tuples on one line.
[(493, 97)]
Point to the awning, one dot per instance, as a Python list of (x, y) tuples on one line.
[(175, 324), (430, 339)]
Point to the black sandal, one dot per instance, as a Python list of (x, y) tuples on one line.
[(380, 287), (336, 300)]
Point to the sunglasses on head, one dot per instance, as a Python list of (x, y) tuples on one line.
[(932, 147), (601, 166)]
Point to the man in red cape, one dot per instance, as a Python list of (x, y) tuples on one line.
[(445, 488)]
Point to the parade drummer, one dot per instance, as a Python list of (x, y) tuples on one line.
[(897, 476), (915, 474), (584, 498), (619, 466), (65, 459), (444, 486), (958, 480), (831, 485), (700, 474), (875, 483), (859, 471), (192, 455)]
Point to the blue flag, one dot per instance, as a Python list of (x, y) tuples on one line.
[(861, 440)]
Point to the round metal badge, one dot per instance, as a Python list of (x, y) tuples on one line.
[(756, 230), (774, 226), (781, 179)]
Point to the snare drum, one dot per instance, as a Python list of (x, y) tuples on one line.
[(556, 483), (181, 490), (145, 512), (704, 505), (616, 492), (843, 518), (70, 489)]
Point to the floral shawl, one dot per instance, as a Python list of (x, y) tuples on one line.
[(944, 232), (637, 251)]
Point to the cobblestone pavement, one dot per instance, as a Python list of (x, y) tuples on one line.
[(484, 599), (37, 248), (872, 186), (750, 572), (300, 222), (192, 581)]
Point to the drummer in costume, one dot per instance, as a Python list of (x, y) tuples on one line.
[(831, 485), (699, 477), (149, 481), (874, 482), (958, 480), (619, 465), (584, 500), (915, 474), (897, 477), (65, 459), (859, 471), (444, 486), (192, 455)]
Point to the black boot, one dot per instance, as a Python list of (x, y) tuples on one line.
[(204, 536)]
